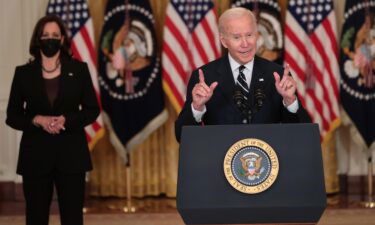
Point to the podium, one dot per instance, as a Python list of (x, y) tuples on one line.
[(297, 196)]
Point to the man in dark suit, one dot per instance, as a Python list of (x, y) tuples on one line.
[(240, 88)]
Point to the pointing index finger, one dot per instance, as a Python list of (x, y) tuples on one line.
[(201, 76), (286, 74), (202, 82), (286, 71)]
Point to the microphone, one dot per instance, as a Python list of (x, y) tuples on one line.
[(239, 99), (259, 95), (241, 102)]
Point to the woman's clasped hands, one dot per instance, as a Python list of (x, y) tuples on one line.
[(51, 124)]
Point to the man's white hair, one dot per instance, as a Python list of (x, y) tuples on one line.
[(236, 12)]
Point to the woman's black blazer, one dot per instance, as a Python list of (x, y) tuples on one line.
[(41, 152)]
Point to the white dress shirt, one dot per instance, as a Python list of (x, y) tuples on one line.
[(248, 71)]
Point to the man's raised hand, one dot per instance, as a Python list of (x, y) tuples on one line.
[(286, 87), (202, 92)]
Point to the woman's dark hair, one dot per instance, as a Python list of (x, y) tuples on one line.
[(38, 32)]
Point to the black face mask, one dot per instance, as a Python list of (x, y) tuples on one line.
[(50, 46)]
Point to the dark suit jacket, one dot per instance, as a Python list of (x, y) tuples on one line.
[(221, 108), (41, 152)]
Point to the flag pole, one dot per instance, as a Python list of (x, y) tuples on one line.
[(128, 208), (370, 201)]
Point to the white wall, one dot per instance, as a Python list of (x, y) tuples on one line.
[(17, 20)]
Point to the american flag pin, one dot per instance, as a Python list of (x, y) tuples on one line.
[(70, 74)]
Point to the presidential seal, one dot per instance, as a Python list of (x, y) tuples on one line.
[(251, 166)]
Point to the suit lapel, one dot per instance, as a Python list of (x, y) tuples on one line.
[(225, 79), (255, 76), (254, 80), (226, 82), (62, 84)]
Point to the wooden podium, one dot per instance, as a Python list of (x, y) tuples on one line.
[(297, 196)]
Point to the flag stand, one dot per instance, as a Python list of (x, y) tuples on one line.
[(128, 208), (369, 203)]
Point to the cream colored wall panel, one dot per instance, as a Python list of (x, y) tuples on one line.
[(17, 20), (8, 148), (10, 43)]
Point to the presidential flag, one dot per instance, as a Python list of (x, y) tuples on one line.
[(191, 39), (76, 16), (130, 79), (268, 13), (357, 64), (311, 51)]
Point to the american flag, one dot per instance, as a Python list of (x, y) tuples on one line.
[(191, 39), (75, 14), (311, 51)]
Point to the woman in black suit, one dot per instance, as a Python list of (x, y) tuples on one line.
[(52, 99)]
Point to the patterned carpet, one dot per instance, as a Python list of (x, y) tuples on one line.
[(330, 217)]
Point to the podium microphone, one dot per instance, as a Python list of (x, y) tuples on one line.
[(259, 95), (241, 102), (239, 99)]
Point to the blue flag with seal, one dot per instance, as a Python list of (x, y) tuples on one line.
[(130, 78), (268, 13), (357, 63)]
